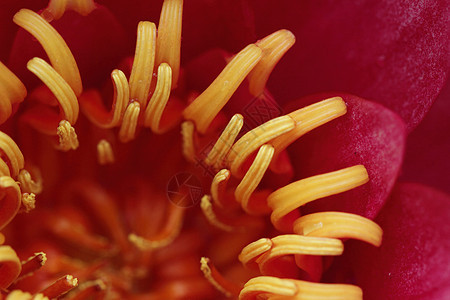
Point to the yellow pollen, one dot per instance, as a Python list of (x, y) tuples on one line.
[(223, 145), (67, 99), (20, 295), (308, 118), (206, 107), (219, 186), (339, 225), (27, 184), (105, 154), (28, 201), (54, 45), (252, 179), (168, 42), (274, 47), (10, 265), (12, 91), (159, 99), (253, 251), (144, 59), (128, 127), (263, 286), (208, 211), (57, 8), (92, 104), (254, 139), (68, 139), (13, 155), (187, 134), (296, 194)]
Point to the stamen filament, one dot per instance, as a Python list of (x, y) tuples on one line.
[(32, 264), (253, 251), (27, 184), (10, 196), (105, 154), (206, 106), (54, 45), (187, 134), (219, 186), (12, 91), (210, 215), (12, 153), (89, 290), (60, 287), (57, 8), (211, 274), (68, 139), (264, 285), (128, 127), (10, 266)]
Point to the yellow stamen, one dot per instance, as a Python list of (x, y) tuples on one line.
[(4, 169), (27, 184), (308, 118), (68, 139), (128, 127), (252, 179), (144, 59), (57, 8), (274, 47), (223, 145), (20, 295), (10, 197), (67, 99), (253, 251), (208, 211), (10, 265), (254, 139), (296, 194), (12, 91), (12, 153), (168, 43), (264, 285), (187, 134), (224, 286), (206, 107), (219, 186), (159, 99), (28, 201), (54, 45), (105, 154), (339, 225)]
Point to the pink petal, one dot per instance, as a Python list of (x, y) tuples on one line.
[(413, 261)]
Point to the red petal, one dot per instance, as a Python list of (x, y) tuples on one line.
[(368, 134), (394, 52), (413, 261)]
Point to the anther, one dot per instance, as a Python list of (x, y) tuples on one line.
[(254, 139), (60, 287), (187, 135), (57, 8), (128, 127), (273, 48), (105, 154), (54, 45), (252, 179), (144, 59), (210, 215), (296, 194), (68, 139), (219, 186), (28, 201), (10, 266), (60, 88), (168, 43), (12, 91), (213, 276), (13, 155), (32, 264), (206, 106), (224, 142), (339, 225), (158, 102)]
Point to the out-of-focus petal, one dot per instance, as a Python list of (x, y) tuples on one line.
[(393, 52), (413, 261), (369, 134)]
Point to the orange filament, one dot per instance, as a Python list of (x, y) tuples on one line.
[(254, 139), (292, 196), (128, 127), (66, 97), (12, 91), (28, 201), (339, 225), (10, 266), (218, 187), (93, 108), (54, 45), (211, 274), (105, 154), (68, 139), (168, 43), (11, 155), (10, 199), (159, 99), (60, 287), (27, 184), (252, 179), (32, 264), (144, 59), (273, 47), (187, 134), (56, 8), (89, 290), (209, 214), (224, 142), (267, 287), (206, 106)]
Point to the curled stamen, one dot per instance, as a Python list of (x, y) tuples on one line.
[(12, 91), (27, 184), (223, 145), (127, 130), (105, 154), (253, 251), (10, 266), (218, 187), (168, 43), (206, 106), (339, 225), (144, 59), (208, 212), (60, 88), (12, 153), (159, 99), (211, 274), (296, 194), (54, 45), (264, 285), (4, 169), (32, 264), (274, 47), (187, 134), (68, 139), (60, 287), (10, 199), (254, 139), (56, 8), (252, 179)]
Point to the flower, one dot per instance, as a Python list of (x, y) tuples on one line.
[(104, 181)]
